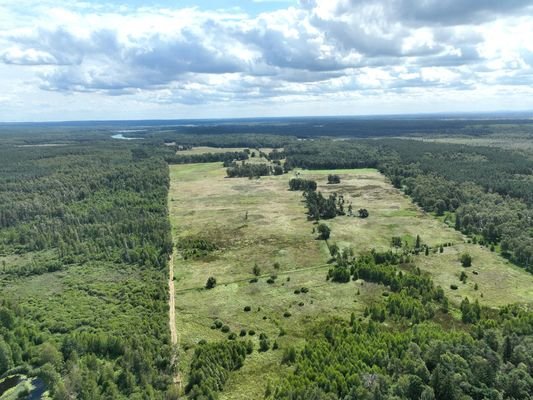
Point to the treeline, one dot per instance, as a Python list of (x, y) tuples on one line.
[(327, 154), (222, 139), (225, 157), (494, 169)]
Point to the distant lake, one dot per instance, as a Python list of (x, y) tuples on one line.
[(122, 137)]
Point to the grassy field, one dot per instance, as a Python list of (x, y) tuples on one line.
[(259, 222)]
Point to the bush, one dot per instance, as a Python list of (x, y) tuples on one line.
[(251, 332), (242, 332), (211, 283), (453, 287), (247, 308), (323, 232), (232, 336), (287, 314), (253, 280), (289, 356), (304, 290), (218, 324), (270, 281), (264, 345), (225, 329), (466, 260)]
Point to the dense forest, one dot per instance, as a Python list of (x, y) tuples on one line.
[(81, 211)]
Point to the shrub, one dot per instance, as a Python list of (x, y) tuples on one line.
[(247, 308), (287, 314), (453, 287), (225, 329), (253, 280), (251, 332), (466, 260), (242, 332), (218, 324), (264, 345), (323, 232), (289, 356), (232, 336), (211, 283)]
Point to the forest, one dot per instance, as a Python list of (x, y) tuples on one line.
[(87, 234), (86, 209)]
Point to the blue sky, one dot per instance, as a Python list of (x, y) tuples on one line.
[(74, 60)]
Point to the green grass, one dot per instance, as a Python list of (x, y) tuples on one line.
[(204, 204)]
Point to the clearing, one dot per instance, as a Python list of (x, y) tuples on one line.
[(250, 222)]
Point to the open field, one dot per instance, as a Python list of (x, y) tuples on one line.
[(260, 222)]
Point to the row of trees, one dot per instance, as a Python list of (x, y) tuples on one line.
[(248, 170), (225, 157)]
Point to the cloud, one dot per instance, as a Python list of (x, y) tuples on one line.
[(318, 48)]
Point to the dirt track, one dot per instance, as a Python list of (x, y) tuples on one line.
[(172, 318)]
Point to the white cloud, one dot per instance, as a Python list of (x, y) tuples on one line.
[(325, 50)]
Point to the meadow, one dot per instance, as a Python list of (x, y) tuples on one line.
[(264, 251)]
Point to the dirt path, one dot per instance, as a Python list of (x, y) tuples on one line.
[(172, 319)]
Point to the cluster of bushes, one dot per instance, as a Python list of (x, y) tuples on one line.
[(320, 207), (195, 247), (253, 170), (302, 184)]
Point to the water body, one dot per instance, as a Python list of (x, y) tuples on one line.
[(122, 137), (9, 383)]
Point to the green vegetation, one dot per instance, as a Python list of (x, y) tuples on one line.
[(412, 300), (84, 243)]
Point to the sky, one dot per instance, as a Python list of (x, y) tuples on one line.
[(83, 60)]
